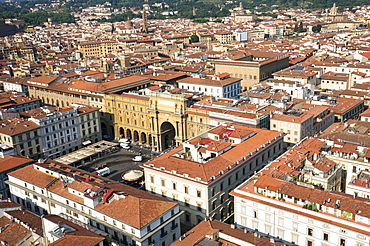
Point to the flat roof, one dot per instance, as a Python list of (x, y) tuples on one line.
[(88, 151)]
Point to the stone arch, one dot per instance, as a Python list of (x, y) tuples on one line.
[(167, 135), (143, 138), (111, 131), (136, 136), (128, 134), (121, 132)]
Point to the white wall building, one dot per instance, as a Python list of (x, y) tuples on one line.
[(200, 173), (277, 201), (130, 216), (225, 87), (59, 130), (64, 129), (294, 88)]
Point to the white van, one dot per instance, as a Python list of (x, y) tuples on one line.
[(124, 140), (125, 146), (137, 158), (103, 172)]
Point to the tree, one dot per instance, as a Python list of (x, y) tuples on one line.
[(316, 28), (295, 28), (300, 27), (194, 38), (200, 20)]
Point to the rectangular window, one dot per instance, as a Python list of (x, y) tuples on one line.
[(326, 237), (280, 233), (243, 221), (187, 217), (281, 221), (310, 231), (267, 229), (294, 238), (255, 225), (342, 242), (295, 226), (186, 189), (268, 217), (243, 210)]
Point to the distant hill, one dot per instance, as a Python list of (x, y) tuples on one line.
[(185, 8)]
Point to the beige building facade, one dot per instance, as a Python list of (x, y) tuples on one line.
[(158, 120), (251, 72), (89, 49)]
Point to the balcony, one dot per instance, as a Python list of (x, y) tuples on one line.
[(173, 227), (163, 234)]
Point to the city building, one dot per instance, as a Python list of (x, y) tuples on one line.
[(335, 81), (298, 125), (17, 102), (59, 231), (158, 120), (128, 215), (253, 68), (59, 127), (213, 232), (222, 86), (19, 227), (283, 202), (22, 135), (8, 164), (200, 173), (98, 48)]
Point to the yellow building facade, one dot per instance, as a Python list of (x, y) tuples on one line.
[(158, 120), (251, 72), (97, 48)]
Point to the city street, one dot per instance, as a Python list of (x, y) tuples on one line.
[(121, 161)]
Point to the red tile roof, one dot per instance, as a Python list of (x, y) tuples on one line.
[(12, 161)]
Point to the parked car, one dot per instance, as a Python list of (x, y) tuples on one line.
[(124, 140), (125, 146), (137, 158)]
